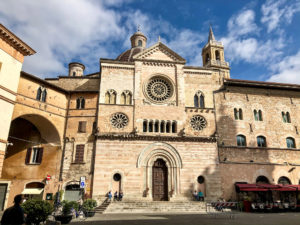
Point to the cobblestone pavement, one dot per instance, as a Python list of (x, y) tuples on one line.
[(194, 219)]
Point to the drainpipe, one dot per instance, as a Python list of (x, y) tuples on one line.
[(64, 139)]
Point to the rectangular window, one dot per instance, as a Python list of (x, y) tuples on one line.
[(82, 127), (79, 154), (34, 155)]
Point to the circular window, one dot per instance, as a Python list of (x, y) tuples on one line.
[(200, 179), (119, 120), (117, 177), (198, 122), (159, 89)]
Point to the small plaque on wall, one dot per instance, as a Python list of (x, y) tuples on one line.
[(49, 196)]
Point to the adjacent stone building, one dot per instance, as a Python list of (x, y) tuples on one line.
[(151, 126)]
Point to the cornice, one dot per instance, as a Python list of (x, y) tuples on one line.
[(136, 137), (15, 42)]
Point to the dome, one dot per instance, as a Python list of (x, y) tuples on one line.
[(138, 44), (127, 56)]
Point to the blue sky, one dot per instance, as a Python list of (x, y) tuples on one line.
[(261, 38)]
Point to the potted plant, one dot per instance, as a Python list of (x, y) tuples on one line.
[(66, 215), (89, 206), (37, 211)]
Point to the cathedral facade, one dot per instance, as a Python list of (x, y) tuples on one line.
[(152, 127)]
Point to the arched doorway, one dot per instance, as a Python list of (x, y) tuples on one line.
[(73, 192), (262, 180), (284, 180), (160, 180), (116, 186)]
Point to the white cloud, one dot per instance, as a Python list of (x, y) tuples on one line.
[(288, 70), (245, 43), (243, 23), (276, 12), (59, 30)]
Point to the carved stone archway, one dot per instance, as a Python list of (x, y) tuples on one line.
[(173, 162)]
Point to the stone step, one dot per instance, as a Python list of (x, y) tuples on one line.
[(150, 207)]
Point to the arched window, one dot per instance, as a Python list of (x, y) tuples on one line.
[(162, 126), (236, 114), (168, 126), (123, 99), (288, 118), (241, 114), (107, 96), (199, 99), (150, 126), (261, 141), (255, 115), (44, 95), (174, 127), (196, 102), (290, 142), (156, 126), (207, 59), (284, 181), (260, 118), (39, 93), (126, 98), (111, 97), (80, 103), (140, 43), (262, 180), (74, 73), (145, 125), (241, 140), (129, 99), (283, 117), (217, 55)]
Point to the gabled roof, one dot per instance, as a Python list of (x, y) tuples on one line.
[(174, 57)]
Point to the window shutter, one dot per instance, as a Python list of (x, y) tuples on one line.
[(40, 156), (27, 158), (79, 153)]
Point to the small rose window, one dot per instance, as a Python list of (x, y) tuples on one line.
[(198, 122)]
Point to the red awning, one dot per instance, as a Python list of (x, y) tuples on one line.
[(267, 187)]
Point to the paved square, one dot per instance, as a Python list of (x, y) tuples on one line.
[(194, 219)]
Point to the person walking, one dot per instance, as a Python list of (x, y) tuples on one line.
[(15, 214)]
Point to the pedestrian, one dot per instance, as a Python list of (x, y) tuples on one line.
[(109, 195), (195, 195), (15, 214), (200, 196), (120, 195), (116, 196)]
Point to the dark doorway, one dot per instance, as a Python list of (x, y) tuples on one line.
[(160, 180)]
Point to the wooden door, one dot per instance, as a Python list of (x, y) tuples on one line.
[(160, 181)]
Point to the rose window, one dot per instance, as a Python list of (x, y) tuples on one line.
[(198, 122), (119, 120), (159, 89)]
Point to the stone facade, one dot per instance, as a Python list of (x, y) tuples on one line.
[(150, 126)]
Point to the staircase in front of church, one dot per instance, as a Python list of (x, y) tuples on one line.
[(127, 206)]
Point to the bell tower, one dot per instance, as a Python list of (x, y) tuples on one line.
[(213, 54)]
